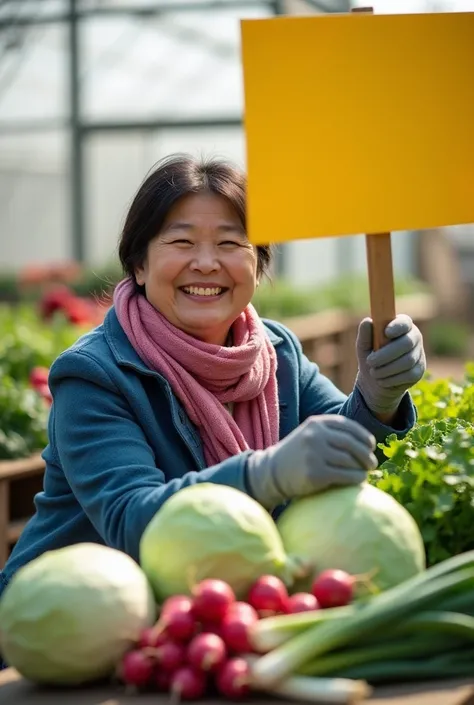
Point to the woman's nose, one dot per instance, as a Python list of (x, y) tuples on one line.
[(205, 260)]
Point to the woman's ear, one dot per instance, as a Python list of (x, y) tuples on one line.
[(140, 275)]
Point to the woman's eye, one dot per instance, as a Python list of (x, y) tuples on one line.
[(229, 242), (182, 242)]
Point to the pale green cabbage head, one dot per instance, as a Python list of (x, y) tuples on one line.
[(70, 615), (211, 531), (359, 529)]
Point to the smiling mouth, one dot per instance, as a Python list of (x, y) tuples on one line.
[(203, 291)]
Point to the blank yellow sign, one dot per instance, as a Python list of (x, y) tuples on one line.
[(358, 123)]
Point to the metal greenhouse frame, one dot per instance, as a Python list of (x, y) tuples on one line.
[(78, 127)]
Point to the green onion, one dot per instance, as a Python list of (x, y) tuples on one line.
[(455, 623), (462, 602), (337, 662), (271, 632), (383, 610), (449, 666)]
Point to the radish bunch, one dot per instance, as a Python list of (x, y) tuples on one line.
[(199, 643), (196, 646)]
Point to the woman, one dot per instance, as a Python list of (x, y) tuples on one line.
[(184, 383)]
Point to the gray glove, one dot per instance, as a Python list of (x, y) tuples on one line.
[(386, 375), (323, 451)]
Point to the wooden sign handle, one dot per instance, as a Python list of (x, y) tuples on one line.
[(381, 285), (380, 270)]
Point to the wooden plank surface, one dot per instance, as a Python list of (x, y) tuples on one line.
[(23, 467), (15, 691)]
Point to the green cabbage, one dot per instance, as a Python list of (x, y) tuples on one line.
[(70, 615), (359, 529), (211, 531)]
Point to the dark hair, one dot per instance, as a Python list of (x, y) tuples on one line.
[(174, 177)]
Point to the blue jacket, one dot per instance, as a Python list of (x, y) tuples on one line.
[(120, 443)]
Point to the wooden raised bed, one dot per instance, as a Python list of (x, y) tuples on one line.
[(20, 480), (328, 338)]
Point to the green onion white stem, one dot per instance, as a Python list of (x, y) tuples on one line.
[(326, 691)]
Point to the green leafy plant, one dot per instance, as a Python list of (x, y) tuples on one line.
[(27, 342), (23, 419), (431, 471)]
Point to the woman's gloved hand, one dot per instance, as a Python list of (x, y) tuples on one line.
[(323, 451), (386, 375)]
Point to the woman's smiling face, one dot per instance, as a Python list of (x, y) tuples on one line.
[(200, 271)]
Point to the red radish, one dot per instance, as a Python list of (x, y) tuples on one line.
[(206, 652), (180, 625), (188, 684), (236, 628), (302, 602), (268, 595), (178, 620), (243, 607), (170, 655), (163, 681), (39, 376), (233, 679), (333, 588), (211, 628), (152, 637), (174, 602), (211, 600), (136, 668)]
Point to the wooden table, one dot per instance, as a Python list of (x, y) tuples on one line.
[(16, 691)]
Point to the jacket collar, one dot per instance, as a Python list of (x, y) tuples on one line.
[(125, 353)]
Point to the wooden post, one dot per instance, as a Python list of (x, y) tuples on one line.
[(380, 271)]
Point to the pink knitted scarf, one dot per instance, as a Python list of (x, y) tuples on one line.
[(204, 377)]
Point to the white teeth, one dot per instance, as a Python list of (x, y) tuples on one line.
[(200, 291)]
